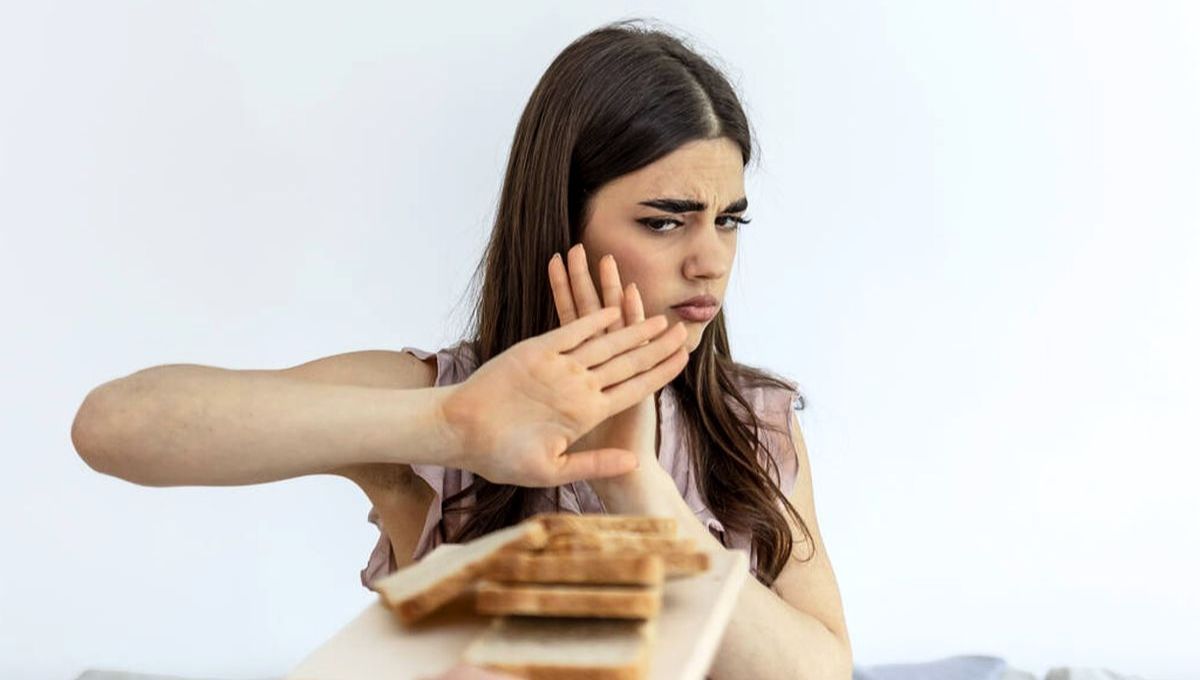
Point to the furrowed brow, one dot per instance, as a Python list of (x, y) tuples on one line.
[(685, 205)]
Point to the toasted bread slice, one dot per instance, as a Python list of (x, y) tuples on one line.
[(565, 649), (618, 602), (420, 588), (602, 568), (680, 558), (626, 542), (572, 523), (680, 564)]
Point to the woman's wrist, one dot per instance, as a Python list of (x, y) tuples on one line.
[(641, 492), (429, 430), (454, 425)]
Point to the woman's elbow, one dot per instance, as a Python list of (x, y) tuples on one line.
[(94, 433)]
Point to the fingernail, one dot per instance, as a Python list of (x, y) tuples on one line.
[(557, 257)]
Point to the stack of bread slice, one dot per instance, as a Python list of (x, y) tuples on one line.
[(574, 596)]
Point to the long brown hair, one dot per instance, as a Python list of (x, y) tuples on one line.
[(614, 100)]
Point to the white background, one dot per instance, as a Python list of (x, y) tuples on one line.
[(975, 243)]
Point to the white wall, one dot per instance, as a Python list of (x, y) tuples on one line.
[(976, 243)]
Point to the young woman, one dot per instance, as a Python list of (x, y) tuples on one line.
[(596, 377)]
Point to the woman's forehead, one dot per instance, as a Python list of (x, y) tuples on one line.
[(708, 171)]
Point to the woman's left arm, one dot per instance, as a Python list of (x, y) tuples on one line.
[(795, 629)]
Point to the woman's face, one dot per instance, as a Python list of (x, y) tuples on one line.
[(673, 251)]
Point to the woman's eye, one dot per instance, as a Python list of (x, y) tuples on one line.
[(662, 225), (657, 225), (734, 223)]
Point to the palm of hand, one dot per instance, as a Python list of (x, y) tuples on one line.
[(634, 429), (514, 418), (514, 407)]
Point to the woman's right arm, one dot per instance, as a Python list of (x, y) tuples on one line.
[(186, 424), (511, 421)]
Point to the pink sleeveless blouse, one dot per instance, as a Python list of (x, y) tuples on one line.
[(455, 364)]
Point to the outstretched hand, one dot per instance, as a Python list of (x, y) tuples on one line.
[(516, 415)]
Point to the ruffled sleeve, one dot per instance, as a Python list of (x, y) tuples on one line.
[(445, 482), (381, 562), (775, 407), (790, 403)]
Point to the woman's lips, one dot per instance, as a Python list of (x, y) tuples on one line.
[(696, 312)]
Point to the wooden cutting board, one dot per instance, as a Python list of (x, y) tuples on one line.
[(376, 646)]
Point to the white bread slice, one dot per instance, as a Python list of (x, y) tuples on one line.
[(604, 601), (573, 523), (602, 568), (420, 588), (565, 649)]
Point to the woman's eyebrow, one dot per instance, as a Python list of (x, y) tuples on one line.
[(683, 205)]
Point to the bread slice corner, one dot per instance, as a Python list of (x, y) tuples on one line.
[(420, 588)]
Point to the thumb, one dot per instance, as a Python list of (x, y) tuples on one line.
[(595, 463)]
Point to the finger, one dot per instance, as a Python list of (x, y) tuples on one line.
[(600, 349), (624, 366), (560, 287), (627, 306), (639, 387), (582, 289), (581, 465), (568, 337), (635, 312), (610, 288)]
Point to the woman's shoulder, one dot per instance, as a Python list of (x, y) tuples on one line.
[(774, 400), (767, 392)]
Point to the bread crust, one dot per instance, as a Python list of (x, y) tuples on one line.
[(573, 523), (577, 568), (632, 671), (626, 542), (617, 602), (681, 564)]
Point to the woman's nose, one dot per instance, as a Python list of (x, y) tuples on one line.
[(709, 256)]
